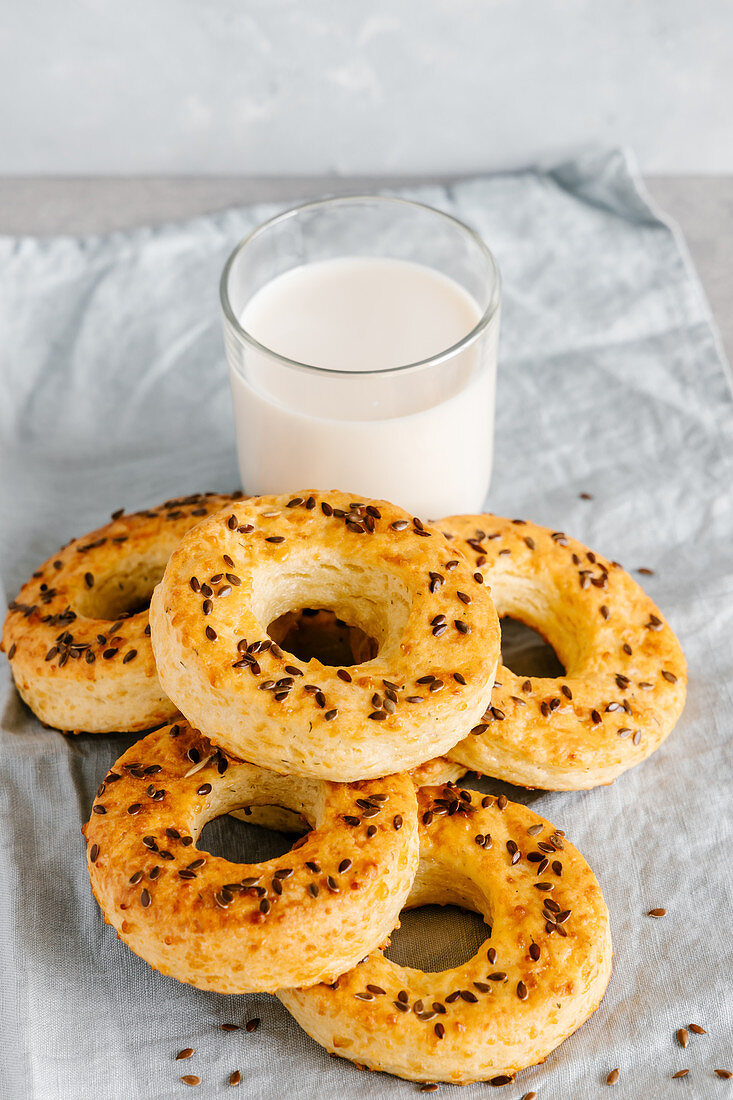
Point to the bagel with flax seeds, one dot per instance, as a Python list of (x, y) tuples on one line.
[(376, 568), (301, 918), (540, 973), (626, 676), (77, 634)]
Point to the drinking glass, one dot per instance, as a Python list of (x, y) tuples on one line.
[(419, 434)]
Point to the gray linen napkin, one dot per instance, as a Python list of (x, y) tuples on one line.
[(113, 391)]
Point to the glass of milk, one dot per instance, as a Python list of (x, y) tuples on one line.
[(361, 335)]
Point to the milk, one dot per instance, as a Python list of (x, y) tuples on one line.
[(421, 437)]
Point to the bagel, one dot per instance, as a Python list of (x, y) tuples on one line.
[(377, 569), (77, 635), (240, 928), (540, 974), (625, 680)]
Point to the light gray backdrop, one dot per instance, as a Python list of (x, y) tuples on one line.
[(416, 86)]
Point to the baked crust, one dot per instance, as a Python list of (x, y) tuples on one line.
[(626, 674), (539, 975), (436, 771), (376, 568), (79, 671), (239, 928)]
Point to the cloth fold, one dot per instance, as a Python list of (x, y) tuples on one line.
[(113, 391)]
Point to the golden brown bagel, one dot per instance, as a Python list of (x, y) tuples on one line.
[(77, 633), (238, 928), (540, 974), (377, 569), (626, 677)]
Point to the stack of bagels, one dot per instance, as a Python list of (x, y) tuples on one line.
[(361, 746)]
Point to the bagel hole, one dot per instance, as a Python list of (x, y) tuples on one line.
[(526, 653), (437, 937), (302, 599), (319, 633), (233, 839), (120, 595)]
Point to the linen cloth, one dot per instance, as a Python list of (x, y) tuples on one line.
[(113, 391)]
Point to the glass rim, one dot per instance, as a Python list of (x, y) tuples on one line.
[(343, 200)]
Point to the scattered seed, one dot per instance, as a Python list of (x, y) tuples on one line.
[(185, 1053), (683, 1036), (697, 1030), (230, 1027), (613, 1076), (252, 1024), (724, 1073), (191, 1079), (235, 1078), (680, 1073), (656, 912)]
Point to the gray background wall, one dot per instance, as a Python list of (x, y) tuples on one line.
[(389, 86)]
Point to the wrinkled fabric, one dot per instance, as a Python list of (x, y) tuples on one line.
[(113, 391)]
